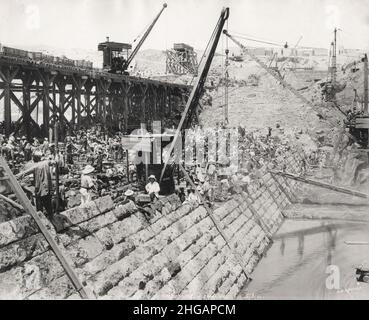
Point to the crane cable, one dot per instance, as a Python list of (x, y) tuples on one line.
[(226, 76), (259, 41)]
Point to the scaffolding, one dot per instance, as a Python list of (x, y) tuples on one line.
[(182, 59)]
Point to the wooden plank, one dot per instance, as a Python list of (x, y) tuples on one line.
[(321, 184), (282, 188), (17, 189), (257, 217), (356, 242), (27, 80), (7, 106), (13, 203)]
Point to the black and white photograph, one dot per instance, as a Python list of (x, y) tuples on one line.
[(203, 152)]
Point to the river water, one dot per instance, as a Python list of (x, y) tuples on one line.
[(313, 259)]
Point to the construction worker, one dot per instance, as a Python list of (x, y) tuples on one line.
[(192, 197), (69, 147), (45, 146), (182, 194), (43, 185), (152, 188), (87, 183), (131, 171), (28, 152)]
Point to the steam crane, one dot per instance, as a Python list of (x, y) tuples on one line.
[(275, 74), (359, 122), (116, 57), (332, 86), (363, 123), (271, 71), (198, 87)]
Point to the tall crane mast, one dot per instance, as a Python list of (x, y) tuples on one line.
[(143, 38), (334, 59), (279, 78), (198, 87), (365, 60)]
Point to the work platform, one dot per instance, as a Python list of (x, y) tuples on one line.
[(78, 97)]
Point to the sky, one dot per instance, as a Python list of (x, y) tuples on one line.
[(85, 23)]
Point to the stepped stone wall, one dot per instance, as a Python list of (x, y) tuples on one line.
[(123, 253)]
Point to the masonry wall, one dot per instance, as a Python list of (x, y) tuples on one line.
[(121, 253)]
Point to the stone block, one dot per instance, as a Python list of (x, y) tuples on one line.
[(107, 258), (122, 229), (98, 222), (94, 208), (153, 286), (123, 211), (85, 250), (60, 288), (22, 250), (105, 237), (141, 237), (37, 273), (17, 229)]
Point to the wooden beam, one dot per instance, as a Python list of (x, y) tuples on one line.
[(143, 89), (27, 80), (283, 189), (13, 203), (17, 189), (22, 108), (79, 83), (47, 79), (321, 184), (7, 105)]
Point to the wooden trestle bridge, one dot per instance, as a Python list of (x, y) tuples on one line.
[(33, 96)]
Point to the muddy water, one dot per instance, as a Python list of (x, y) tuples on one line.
[(295, 267)]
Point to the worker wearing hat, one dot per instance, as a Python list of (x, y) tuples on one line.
[(152, 188), (87, 183), (129, 195), (23, 140)]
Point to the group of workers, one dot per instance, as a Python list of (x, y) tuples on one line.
[(211, 180)]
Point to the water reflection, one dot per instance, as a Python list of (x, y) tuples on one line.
[(295, 266), (330, 230), (282, 246)]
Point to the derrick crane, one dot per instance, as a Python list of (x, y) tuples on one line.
[(285, 84), (198, 87), (142, 40), (272, 72), (115, 54), (332, 86), (359, 123)]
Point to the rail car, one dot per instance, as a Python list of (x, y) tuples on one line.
[(39, 57)]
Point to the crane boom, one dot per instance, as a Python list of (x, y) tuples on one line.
[(143, 38), (198, 87), (272, 72), (277, 76)]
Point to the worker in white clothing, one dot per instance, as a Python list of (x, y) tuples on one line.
[(87, 183), (152, 188)]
